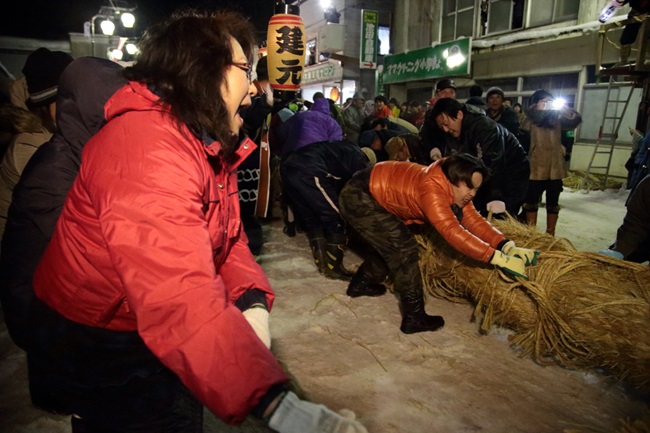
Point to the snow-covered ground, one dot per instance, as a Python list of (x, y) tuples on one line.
[(349, 353)]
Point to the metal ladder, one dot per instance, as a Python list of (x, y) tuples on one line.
[(613, 114)]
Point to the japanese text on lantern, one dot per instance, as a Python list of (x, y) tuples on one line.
[(290, 40), (286, 51)]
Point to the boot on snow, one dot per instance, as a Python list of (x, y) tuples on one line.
[(318, 244), (415, 319), (334, 259), (551, 222), (361, 285)]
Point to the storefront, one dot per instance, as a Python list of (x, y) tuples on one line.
[(411, 75), (328, 78)]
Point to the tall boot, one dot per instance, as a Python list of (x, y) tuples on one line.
[(334, 258), (318, 244), (531, 218), (362, 285), (414, 317), (551, 222)]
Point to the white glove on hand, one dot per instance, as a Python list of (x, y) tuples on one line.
[(496, 206), (529, 256), (258, 318), (298, 416), (435, 154)]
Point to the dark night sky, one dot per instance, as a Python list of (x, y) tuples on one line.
[(54, 19)]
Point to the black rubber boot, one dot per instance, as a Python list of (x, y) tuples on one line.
[(361, 285), (318, 244), (334, 259), (415, 319)]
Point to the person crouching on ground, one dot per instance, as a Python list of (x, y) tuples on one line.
[(380, 201)]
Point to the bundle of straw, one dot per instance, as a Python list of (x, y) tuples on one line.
[(591, 181), (578, 309)]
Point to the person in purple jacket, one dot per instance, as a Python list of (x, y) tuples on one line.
[(315, 164), (312, 126)]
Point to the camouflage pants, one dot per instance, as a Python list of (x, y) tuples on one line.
[(395, 252)]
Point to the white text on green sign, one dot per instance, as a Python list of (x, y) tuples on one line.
[(448, 59)]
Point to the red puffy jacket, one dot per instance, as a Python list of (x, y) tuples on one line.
[(150, 239)]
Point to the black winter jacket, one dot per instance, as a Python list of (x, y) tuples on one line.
[(500, 151), (313, 177), (84, 88)]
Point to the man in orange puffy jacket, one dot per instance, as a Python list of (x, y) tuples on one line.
[(380, 201)]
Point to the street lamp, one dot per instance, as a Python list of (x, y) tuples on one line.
[(108, 14), (329, 12)]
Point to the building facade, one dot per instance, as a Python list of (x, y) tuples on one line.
[(521, 46), (334, 36)]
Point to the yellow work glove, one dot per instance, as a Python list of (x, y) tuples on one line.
[(527, 255), (511, 264)]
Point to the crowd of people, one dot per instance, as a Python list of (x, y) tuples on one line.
[(132, 202)]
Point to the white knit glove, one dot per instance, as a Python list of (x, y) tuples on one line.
[(258, 318), (496, 206), (298, 416), (435, 154)]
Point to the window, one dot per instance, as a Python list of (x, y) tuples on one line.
[(419, 94), (383, 37), (310, 58), (552, 11), (457, 19), (563, 84), (506, 84), (503, 15)]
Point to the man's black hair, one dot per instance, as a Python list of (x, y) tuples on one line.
[(382, 121), (262, 69), (448, 106), (476, 90), (381, 98), (461, 166)]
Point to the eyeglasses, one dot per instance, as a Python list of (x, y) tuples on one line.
[(246, 67)]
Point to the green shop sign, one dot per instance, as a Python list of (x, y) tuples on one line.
[(443, 60)]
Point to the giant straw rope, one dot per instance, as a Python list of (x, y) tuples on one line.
[(578, 309)]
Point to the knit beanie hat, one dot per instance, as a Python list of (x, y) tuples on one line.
[(539, 95), (495, 91), (370, 154), (42, 71)]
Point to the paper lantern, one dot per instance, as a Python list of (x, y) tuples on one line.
[(286, 52), (334, 94)]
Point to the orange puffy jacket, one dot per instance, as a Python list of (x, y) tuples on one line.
[(420, 194)]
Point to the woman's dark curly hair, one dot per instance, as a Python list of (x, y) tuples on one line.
[(184, 59)]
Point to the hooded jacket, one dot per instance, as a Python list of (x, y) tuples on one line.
[(420, 194), (20, 150), (312, 126), (84, 88), (150, 240)]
